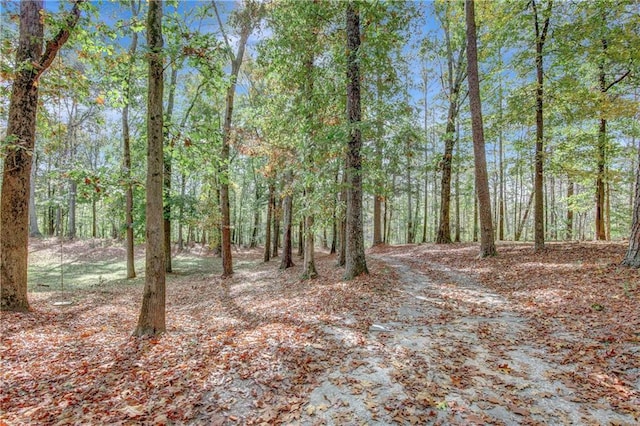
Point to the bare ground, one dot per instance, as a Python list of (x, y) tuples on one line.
[(432, 336)]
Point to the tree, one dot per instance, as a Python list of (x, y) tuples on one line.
[(355, 262), (487, 244), (456, 74), (287, 245), (19, 149), (632, 258), (248, 19), (152, 314), (538, 205), (126, 137)]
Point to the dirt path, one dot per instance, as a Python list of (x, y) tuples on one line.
[(453, 352)]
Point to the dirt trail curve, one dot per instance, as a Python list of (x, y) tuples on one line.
[(449, 352)]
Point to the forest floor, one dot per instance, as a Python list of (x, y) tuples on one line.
[(432, 336)]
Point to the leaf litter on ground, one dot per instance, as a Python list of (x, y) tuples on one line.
[(432, 336)]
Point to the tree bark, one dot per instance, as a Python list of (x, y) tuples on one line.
[(454, 83), (168, 166), (126, 136), (152, 313), (487, 244), (632, 257), (287, 257), (570, 189), (355, 262), (34, 231), (227, 262), (538, 206), (342, 225), (309, 264), (21, 128), (267, 232), (523, 221), (277, 212)]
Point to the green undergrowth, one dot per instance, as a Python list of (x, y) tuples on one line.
[(52, 275)]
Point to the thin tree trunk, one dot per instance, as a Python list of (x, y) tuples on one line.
[(632, 257), (487, 244), (301, 238), (410, 235), (501, 200), (425, 82), (277, 212), (152, 313), (600, 181), (126, 136), (287, 260), (570, 190), (334, 221), (34, 231), (168, 166), (309, 265), (355, 262), (342, 226), (94, 219), (183, 184), (227, 263), (267, 232), (457, 186), (523, 221), (541, 34)]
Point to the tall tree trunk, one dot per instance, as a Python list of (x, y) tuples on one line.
[(277, 212), (425, 82), (309, 271), (334, 219), (538, 207), (570, 189), (301, 238), (342, 221), (168, 155), (71, 228), (355, 262), (632, 257), (21, 127), (456, 73), (34, 231), (410, 236), (457, 186), (94, 219), (152, 313), (267, 232), (287, 248), (475, 217), (183, 188), (444, 228), (126, 136), (227, 263), (309, 264), (600, 181), (501, 199), (253, 243), (487, 244)]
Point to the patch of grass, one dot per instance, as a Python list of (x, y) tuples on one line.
[(45, 276), (77, 275)]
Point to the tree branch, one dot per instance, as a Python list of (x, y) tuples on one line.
[(56, 43), (617, 80)]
